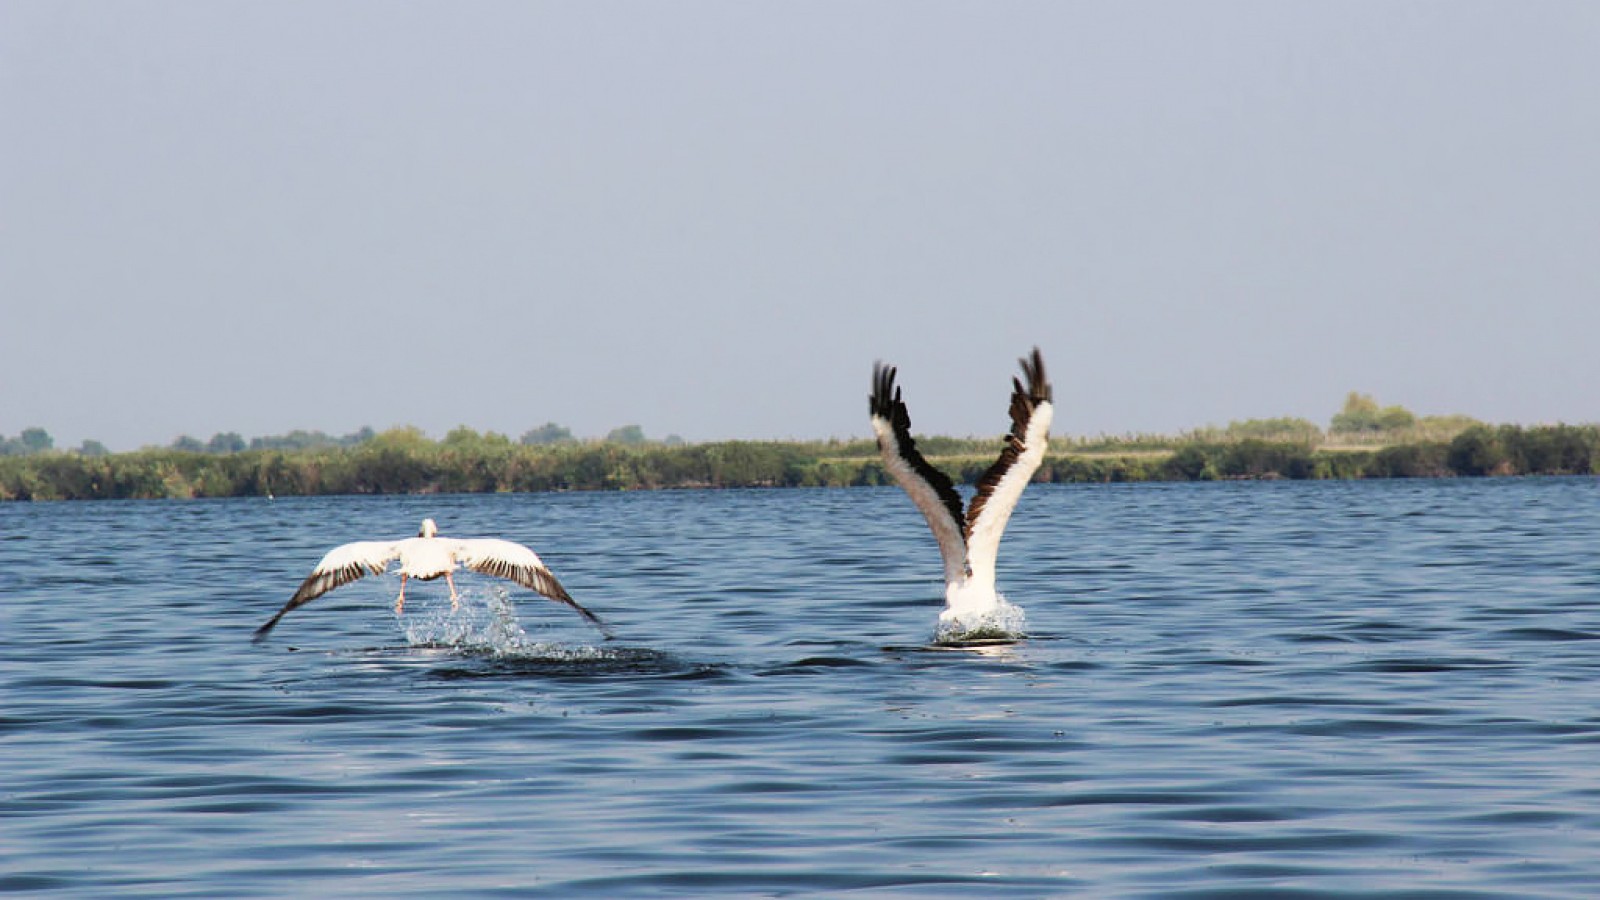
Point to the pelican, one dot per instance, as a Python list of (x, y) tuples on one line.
[(428, 556), (968, 539)]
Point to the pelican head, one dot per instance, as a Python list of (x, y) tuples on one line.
[(429, 529)]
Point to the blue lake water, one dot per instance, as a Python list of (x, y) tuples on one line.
[(1230, 690)]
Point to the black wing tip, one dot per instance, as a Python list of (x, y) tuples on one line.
[(1024, 400), (262, 632), (885, 396), (546, 583), (1039, 388), (592, 619), (887, 404), (313, 587)]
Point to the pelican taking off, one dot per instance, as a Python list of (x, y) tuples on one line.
[(968, 540), (428, 556)]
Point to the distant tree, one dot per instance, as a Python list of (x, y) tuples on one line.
[(310, 440), (629, 435), (673, 440), (549, 433), (225, 442), (93, 448), (360, 436), (1361, 414), (36, 440), (403, 436), (294, 440), (187, 444), (1393, 418), (462, 436)]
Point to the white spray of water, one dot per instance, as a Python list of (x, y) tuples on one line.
[(485, 621), (1001, 621), (484, 624)]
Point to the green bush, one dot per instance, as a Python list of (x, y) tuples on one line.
[(1476, 451), (1409, 461)]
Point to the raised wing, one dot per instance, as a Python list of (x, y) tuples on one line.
[(930, 489), (342, 565), (514, 562), (1000, 487)]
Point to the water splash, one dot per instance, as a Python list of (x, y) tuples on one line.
[(485, 622), (1001, 622), (485, 639)]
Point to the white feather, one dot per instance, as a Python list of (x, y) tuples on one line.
[(983, 540), (946, 530)]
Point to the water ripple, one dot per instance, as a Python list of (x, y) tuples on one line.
[(1228, 690)]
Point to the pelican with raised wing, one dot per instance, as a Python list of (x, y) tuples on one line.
[(428, 556), (968, 534)]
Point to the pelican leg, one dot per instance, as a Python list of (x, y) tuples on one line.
[(455, 602), (400, 602)]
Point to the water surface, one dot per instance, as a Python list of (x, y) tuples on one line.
[(1230, 690)]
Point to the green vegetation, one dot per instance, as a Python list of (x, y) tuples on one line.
[(1363, 423), (305, 440), (1361, 415), (549, 433), (31, 441), (627, 435), (1365, 441), (405, 461)]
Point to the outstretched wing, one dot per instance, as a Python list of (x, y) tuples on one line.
[(930, 489), (342, 565), (998, 490), (514, 562)]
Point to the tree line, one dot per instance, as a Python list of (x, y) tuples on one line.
[(403, 461), (33, 441)]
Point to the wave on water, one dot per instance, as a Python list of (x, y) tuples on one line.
[(1002, 622), (557, 661)]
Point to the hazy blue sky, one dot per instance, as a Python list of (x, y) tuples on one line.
[(710, 218)]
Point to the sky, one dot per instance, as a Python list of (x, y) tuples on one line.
[(709, 219)]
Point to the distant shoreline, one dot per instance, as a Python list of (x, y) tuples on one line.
[(408, 464)]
